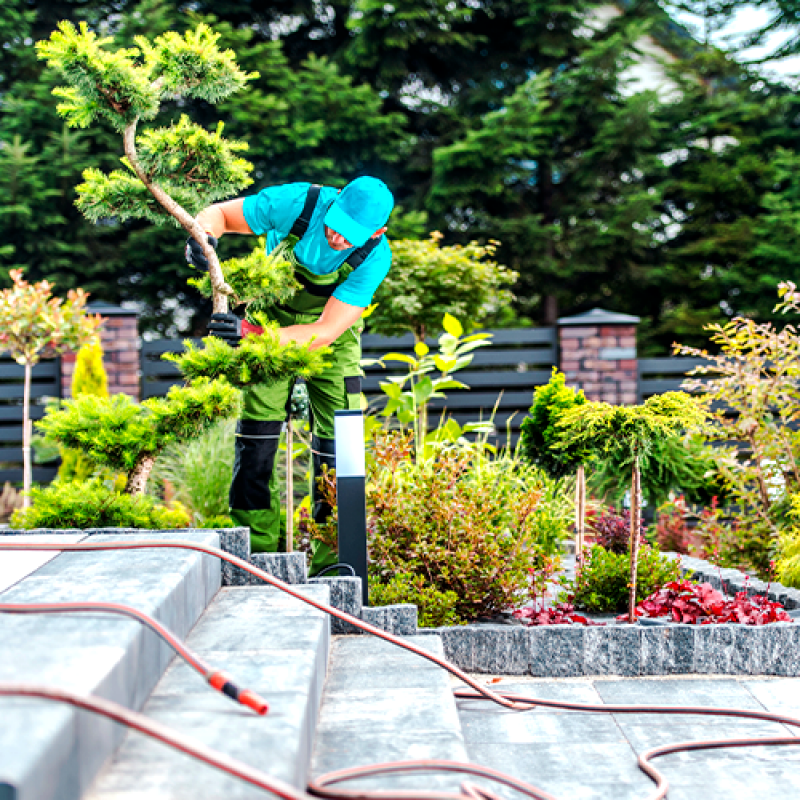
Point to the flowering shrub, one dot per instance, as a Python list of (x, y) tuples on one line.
[(701, 604), (613, 531)]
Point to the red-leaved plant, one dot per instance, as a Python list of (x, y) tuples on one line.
[(701, 604), (612, 531), (562, 614)]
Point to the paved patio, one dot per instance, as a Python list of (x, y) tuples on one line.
[(576, 755)]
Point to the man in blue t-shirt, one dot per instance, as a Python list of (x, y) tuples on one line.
[(341, 257)]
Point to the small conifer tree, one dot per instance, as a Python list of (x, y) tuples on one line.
[(630, 431), (89, 377)]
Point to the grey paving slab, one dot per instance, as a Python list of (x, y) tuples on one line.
[(593, 755), (56, 755), (386, 704), (267, 642)]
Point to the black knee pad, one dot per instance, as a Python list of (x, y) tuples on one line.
[(256, 445)]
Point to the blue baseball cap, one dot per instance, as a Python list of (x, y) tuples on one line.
[(361, 208)]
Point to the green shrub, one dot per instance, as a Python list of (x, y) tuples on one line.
[(601, 585), (435, 608), (462, 522), (93, 504)]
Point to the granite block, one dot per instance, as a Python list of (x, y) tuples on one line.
[(459, 646), (346, 596), (715, 647), (781, 649), (286, 567), (612, 650), (748, 650), (399, 619), (500, 649), (667, 650), (235, 541), (557, 651)]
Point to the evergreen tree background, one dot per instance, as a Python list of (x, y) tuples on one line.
[(500, 119)]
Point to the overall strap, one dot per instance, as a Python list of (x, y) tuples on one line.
[(360, 255), (304, 220)]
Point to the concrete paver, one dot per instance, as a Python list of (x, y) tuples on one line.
[(575, 755)]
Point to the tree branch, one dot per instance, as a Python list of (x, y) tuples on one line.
[(187, 221)]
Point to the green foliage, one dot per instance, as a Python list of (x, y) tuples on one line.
[(463, 523), (408, 395), (753, 383), (601, 585), (540, 434), (195, 167), (117, 432), (625, 432), (258, 280), (102, 83), (787, 564), (435, 608), (93, 504), (257, 359), (683, 464), (427, 281), (120, 88), (198, 474)]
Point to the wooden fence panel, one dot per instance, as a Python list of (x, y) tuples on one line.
[(46, 382)]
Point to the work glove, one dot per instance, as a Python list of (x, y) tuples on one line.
[(194, 252), (227, 327)]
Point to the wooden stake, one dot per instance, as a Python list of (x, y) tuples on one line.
[(580, 513), (289, 486), (636, 512)]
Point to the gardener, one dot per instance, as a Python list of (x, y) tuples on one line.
[(341, 257)]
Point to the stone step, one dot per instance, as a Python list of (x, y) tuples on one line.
[(48, 750), (266, 641), (382, 703)]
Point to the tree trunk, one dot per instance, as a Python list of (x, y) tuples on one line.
[(289, 486), (636, 513), (220, 289), (27, 471), (580, 513), (137, 479)]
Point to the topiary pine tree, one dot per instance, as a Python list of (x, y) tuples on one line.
[(35, 325), (541, 443), (628, 432), (170, 173), (126, 436)]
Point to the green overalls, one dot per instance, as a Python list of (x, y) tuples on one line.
[(255, 494)]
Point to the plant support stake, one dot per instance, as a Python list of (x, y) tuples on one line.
[(350, 493)]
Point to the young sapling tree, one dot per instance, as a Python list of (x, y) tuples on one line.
[(541, 443), (630, 431), (35, 325)]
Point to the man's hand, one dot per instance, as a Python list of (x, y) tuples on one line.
[(227, 327), (194, 252)]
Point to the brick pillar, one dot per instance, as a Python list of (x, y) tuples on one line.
[(597, 352), (120, 339)]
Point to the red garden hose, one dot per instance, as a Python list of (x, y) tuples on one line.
[(216, 678), (321, 787)]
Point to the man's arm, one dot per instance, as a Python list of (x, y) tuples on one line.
[(335, 319), (227, 217)]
